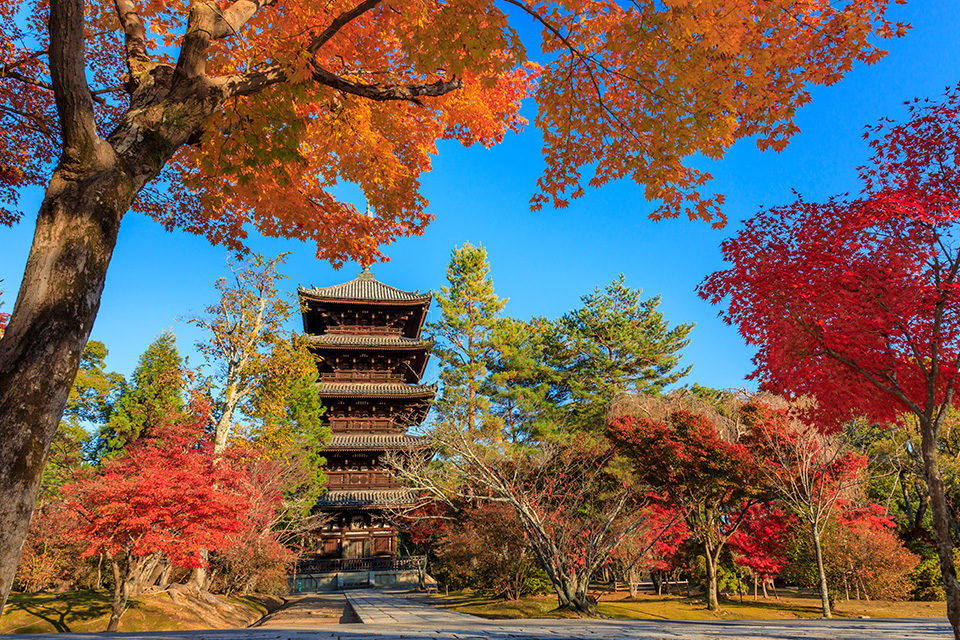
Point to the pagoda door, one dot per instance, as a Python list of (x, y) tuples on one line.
[(357, 548)]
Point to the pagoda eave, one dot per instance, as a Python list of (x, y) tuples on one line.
[(376, 391), (383, 499)]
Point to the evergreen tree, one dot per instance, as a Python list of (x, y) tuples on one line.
[(615, 343), (523, 385), (465, 336), (154, 393), (89, 405)]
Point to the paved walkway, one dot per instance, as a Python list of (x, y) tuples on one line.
[(391, 616), (386, 608)]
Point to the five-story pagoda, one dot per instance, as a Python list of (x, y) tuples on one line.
[(370, 357)]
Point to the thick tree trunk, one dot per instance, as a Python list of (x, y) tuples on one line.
[(713, 603), (572, 595), (821, 573), (40, 350), (121, 593), (941, 521)]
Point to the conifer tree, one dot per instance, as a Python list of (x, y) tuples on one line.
[(615, 343), (465, 335), (155, 392)]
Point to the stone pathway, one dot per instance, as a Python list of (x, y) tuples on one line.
[(391, 616), (386, 608)]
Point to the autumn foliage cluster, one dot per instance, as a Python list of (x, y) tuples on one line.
[(564, 428)]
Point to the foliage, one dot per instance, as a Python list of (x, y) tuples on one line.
[(451, 71), (166, 498), (51, 556), (259, 370), (153, 395), (572, 498), (862, 556), (89, 405), (250, 116), (926, 581), (94, 389), (760, 542), (616, 343), (486, 550), (703, 470), (464, 337), (856, 301)]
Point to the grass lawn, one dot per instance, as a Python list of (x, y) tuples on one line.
[(790, 605), (90, 611)]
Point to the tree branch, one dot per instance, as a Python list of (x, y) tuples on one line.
[(339, 22), (68, 74), (134, 33), (255, 81)]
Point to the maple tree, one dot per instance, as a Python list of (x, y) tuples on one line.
[(570, 498), (807, 469), (164, 500), (222, 118), (486, 549), (759, 543), (856, 302), (703, 470)]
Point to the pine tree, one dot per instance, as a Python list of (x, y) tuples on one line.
[(464, 337), (615, 343)]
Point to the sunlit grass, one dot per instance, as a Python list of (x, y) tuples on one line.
[(790, 604)]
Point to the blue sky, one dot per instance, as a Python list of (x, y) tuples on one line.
[(543, 262)]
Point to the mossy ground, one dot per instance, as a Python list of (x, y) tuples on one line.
[(790, 604), (90, 611)]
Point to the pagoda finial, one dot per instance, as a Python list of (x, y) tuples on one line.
[(365, 273)]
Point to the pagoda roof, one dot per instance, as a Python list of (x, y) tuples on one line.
[(376, 390), (360, 341), (364, 288), (377, 441), (367, 498)]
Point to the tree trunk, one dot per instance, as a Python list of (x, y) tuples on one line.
[(821, 573), (713, 603), (572, 596), (121, 593), (40, 350), (941, 521)]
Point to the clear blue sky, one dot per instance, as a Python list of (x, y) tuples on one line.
[(543, 262)]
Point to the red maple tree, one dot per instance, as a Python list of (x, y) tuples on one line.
[(163, 501), (857, 302), (759, 544), (710, 479), (807, 469)]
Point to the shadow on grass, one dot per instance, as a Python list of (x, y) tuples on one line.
[(60, 610)]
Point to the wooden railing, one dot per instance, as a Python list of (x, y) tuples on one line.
[(376, 563)]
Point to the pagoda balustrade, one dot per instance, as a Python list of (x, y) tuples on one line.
[(353, 425), (361, 375), (360, 480), (364, 329)]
